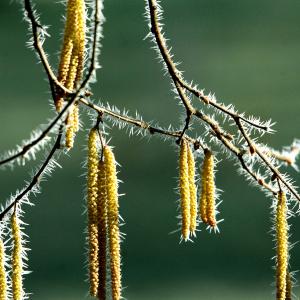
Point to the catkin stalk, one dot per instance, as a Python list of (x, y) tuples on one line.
[(184, 188), (102, 229), (282, 247), (193, 191), (92, 199), (17, 264), (3, 280), (113, 221)]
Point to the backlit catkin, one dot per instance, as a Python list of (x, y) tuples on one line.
[(193, 191), (184, 188), (207, 199), (282, 246), (3, 282), (102, 229), (17, 264), (71, 61), (113, 221), (288, 293), (92, 199)]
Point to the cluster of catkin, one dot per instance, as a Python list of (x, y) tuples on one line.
[(103, 220), (71, 63), (188, 191), (16, 264)]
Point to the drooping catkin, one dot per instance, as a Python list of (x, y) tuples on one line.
[(282, 247), (17, 263), (71, 62), (184, 187), (113, 221), (3, 280), (203, 196), (207, 199), (193, 191), (92, 199), (102, 229), (288, 293)]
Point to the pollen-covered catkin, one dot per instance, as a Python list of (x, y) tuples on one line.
[(113, 221), (17, 263), (184, 187), (102, 229), (207, 201), (288, 293), (203, 195), (3, 280), (71, 61), (92, 199), (282, 246), (210, 190), (193, 191)]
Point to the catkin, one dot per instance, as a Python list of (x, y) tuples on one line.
[(71, 62), (3, 282), (203, 196), (113, 221), (92, 199), (282, 246), (184, 188), (193, 191), (17, 264), (288, 293), (207, 199), (102, 229)]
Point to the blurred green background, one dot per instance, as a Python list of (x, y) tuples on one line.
[(247, 52)]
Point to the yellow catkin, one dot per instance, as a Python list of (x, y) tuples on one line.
[(92, 199), (288, 293), (210, 190), (184, 188), (102, 229), (193, 191), (70, 129), (282, 247), (3, 281), (203, 196), (113, 222), (17, 264), (71, 61)]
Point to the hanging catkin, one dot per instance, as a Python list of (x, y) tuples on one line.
[(92, 199), (71, 62), (184, 188), (17, 263), (193, 191), (3, 280), (207, 199), (102, 229), (113, 221), (282, 247)]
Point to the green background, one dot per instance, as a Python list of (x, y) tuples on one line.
[(247, 53)]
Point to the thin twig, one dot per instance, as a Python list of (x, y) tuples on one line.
[(138, 123), (35, 28), (180, 84), (36, 178)]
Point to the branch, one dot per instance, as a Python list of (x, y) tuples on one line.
[(37, 44), (35, 180), (141, 124), (181, 86)]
